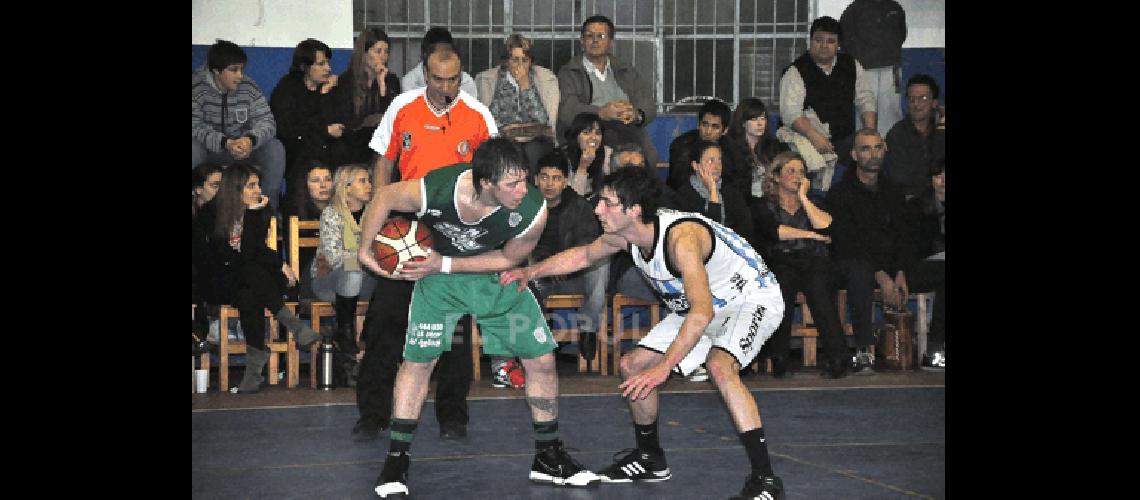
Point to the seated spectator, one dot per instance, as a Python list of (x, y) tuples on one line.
[(204, 183), (523, 98), (363, 94), (570, 222), (918, 140), (712, 125), (792, 236), (749, 133), (232, 121), (589, 157), (706, 193), (315, 187), (417, 77), (927, 268), (820, 93), (337, 275), (870, 235), (303, 110), (244, 270), (600, 83)]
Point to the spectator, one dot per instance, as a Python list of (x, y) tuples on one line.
[(204, 183), (245, 272), (303, 109), (828, 83), (927, 268), (706, 193), (615, 90), (231, 121), (870, 238), (589, 157), (363, 93), (750, 137), (712, 125), (523, 98), (417, 77), (918, 141), (792, 236), (873, 33), (570, 222), (314, 184), (337, 276), (412, 130)]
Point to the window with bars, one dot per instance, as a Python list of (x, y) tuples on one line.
[(691, 49)]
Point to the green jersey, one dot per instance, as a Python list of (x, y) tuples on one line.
[(456, 238)]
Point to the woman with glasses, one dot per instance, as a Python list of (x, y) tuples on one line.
[(523, 98)]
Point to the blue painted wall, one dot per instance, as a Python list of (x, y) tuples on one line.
[(266, 65)]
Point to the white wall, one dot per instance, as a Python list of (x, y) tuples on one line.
[(925, 20), (272, 23)]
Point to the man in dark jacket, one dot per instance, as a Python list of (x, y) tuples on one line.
[(570, 222), (600, 83), (871, 237)]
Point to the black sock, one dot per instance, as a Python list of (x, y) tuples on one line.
[(646, 436), (545, 434), (757, 448), (401, 434)]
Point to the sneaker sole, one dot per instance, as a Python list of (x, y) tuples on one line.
[(387, 490), (584, 478), (606, 479)]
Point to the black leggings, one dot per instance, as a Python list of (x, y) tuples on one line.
[(813, 275), (258, 289)]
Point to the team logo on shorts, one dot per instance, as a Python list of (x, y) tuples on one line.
[(514, 219), (407, 141), (540, 334), (463, 148)]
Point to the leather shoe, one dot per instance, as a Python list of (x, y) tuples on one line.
[(452, 431), (588, 344)]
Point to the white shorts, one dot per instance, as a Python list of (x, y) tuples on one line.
[(739, 329)]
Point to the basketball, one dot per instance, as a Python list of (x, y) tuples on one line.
[(399, 241)]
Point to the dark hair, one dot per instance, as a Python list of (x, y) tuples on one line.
[(228, 199), (699, 150), (305, 55), (495, 158), (445, 49), (938, 167), (718, 108), (224, 53), (300, 202), (586, 121), (556, 159), (204, 170), (636, 186), (749, 109), (828, 24), (924, 79), (358, 68), (598, 18), (434, 35)]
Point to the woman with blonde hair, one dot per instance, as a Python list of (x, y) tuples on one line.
[(337, 275), (792, 236)]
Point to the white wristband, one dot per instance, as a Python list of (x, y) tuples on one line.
[(445, 268)]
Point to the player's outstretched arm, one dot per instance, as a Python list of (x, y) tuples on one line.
[(566, 261), (689, 245), (511, 254), (402, 196)]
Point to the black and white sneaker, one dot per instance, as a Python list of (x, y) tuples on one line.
[(863, 362), (554, 466), (761, 488), (393, 480), (636, 465)]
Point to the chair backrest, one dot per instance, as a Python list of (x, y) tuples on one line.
[(295, 241)]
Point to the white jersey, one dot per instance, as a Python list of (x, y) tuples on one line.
[(736, 272)]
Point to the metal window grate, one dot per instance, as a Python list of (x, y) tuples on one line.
[(729, 49)]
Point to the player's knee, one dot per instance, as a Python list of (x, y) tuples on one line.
[(722, 369)]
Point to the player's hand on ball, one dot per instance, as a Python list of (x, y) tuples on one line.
[(419, 267), (369, 261)]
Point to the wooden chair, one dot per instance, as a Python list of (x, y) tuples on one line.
[(321, 309), (556, 301), (273, 344), (620, 332)]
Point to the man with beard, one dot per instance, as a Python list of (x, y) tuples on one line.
[(869, 238)]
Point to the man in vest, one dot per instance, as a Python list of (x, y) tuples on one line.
[(829, 83)]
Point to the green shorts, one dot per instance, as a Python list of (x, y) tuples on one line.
[(510, 322)]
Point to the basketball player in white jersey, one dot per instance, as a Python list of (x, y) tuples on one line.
[(724, 304)]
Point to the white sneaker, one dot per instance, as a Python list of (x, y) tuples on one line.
[(699, 375)]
